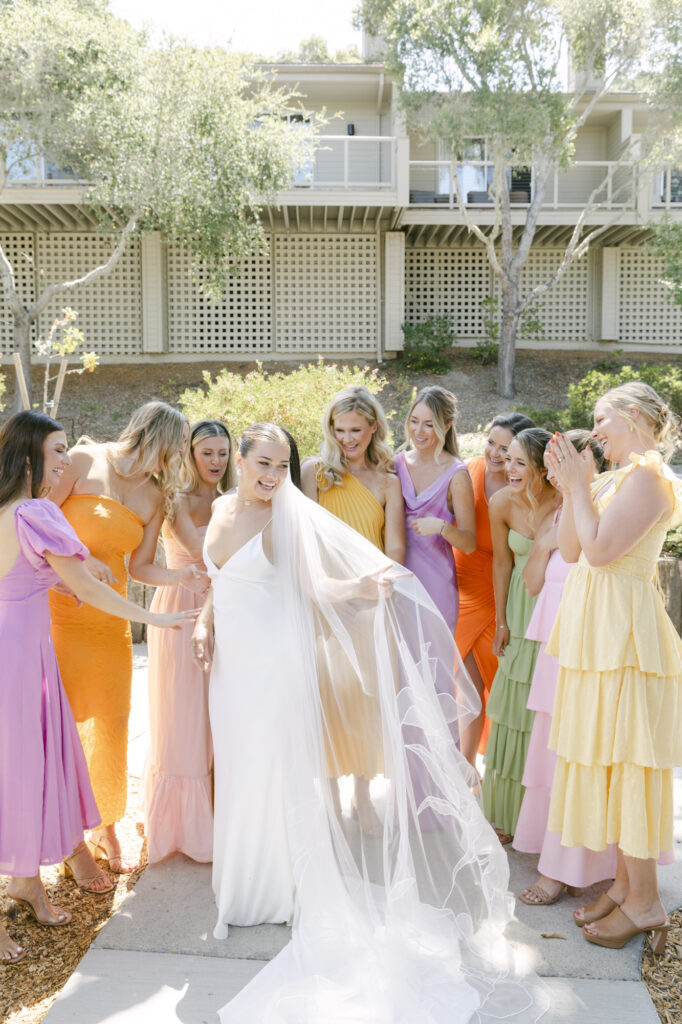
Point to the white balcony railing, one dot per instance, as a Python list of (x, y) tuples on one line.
[(349, 162), (433, 181), (37, 171)]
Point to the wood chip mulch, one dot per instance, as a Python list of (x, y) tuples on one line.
[(662, 975), (28, 989)]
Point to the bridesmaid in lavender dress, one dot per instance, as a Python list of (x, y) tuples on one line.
[(46, 800), (178, 786), (439, 498)]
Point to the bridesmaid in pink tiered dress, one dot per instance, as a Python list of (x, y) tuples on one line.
[(178, 797), (560, 867), (439, 498)]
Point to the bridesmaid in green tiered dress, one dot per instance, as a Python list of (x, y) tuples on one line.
[(515, 513)]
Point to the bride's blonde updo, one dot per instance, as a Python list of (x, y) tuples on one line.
[(332, 462), (267, 432), (662, 421)]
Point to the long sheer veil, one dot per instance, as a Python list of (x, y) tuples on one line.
[(405, 927)]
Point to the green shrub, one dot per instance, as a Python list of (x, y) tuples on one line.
[(665, 378), (484, 352), (426, 344), (673, 543), (293, 400), (548, 419)]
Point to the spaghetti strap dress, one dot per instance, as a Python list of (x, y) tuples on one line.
[(512, 721), (177, 785), (95, 650), (46, 800), (431, 558), (475, 631), (618, 708), (354, 724)]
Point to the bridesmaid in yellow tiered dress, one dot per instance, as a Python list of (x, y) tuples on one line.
[(115, 496), (353, 479), (618, 706)]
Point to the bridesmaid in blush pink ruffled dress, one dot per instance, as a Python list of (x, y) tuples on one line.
[(46, 800), (560, 867), (178, 797)]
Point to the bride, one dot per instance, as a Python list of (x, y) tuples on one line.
[(403, 928)]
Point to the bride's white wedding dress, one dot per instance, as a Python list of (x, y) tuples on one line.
[(252, 874), (403, 928)]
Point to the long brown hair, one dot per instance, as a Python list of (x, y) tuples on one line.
[(21, 447)]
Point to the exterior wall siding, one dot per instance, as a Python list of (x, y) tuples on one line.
[(329, 293)]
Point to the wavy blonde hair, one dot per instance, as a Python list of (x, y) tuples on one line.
[(332, 465), (154, 436), (189, 474), (442, 405), (665, 425)]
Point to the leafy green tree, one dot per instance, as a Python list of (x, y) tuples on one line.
[(495, 69), (191, 142), (315, 50), (667, 243)]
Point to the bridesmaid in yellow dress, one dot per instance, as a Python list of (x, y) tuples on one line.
[(618, 705), (115, 496), (353, 479), (177, 787)]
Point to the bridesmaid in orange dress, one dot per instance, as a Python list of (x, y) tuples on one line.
[(178, 798), (475, 629), (115, 496), (353, 479)]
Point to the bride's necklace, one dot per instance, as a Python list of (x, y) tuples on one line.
[(250, 502)]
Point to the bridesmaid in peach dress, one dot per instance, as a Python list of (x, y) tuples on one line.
[(178, 798), (115, 495)]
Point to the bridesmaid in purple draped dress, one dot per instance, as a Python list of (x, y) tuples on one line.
[(46, 799), (439, 497)]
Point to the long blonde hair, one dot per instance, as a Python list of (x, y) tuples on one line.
[(442, 405), (189, 474), (332, 463), (664, 424), (154, 436), (269, 432)]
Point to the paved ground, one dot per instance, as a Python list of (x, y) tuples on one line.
[(156, 959)]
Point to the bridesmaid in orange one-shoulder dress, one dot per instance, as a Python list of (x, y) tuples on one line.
[(353, 480), (115, 497), (475, 629)]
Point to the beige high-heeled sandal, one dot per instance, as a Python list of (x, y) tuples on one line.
[(63, 918), (115, 863), (627, 930), (67, 871)]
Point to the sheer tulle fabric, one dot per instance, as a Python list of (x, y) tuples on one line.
[(407, 926)]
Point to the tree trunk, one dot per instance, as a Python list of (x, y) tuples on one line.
[(22, 345), (506, 359)]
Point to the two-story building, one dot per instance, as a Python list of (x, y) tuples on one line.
[(368, 236)]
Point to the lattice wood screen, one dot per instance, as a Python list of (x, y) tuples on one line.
[(447, 281), (242, 322), (562, 311), (326, 293), (110, 309), (646, 314), (19, 250)]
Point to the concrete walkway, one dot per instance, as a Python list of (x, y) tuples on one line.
[(157, 961)]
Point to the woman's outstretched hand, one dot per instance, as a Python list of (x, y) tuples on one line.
[(174, 620), (202, 646)]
